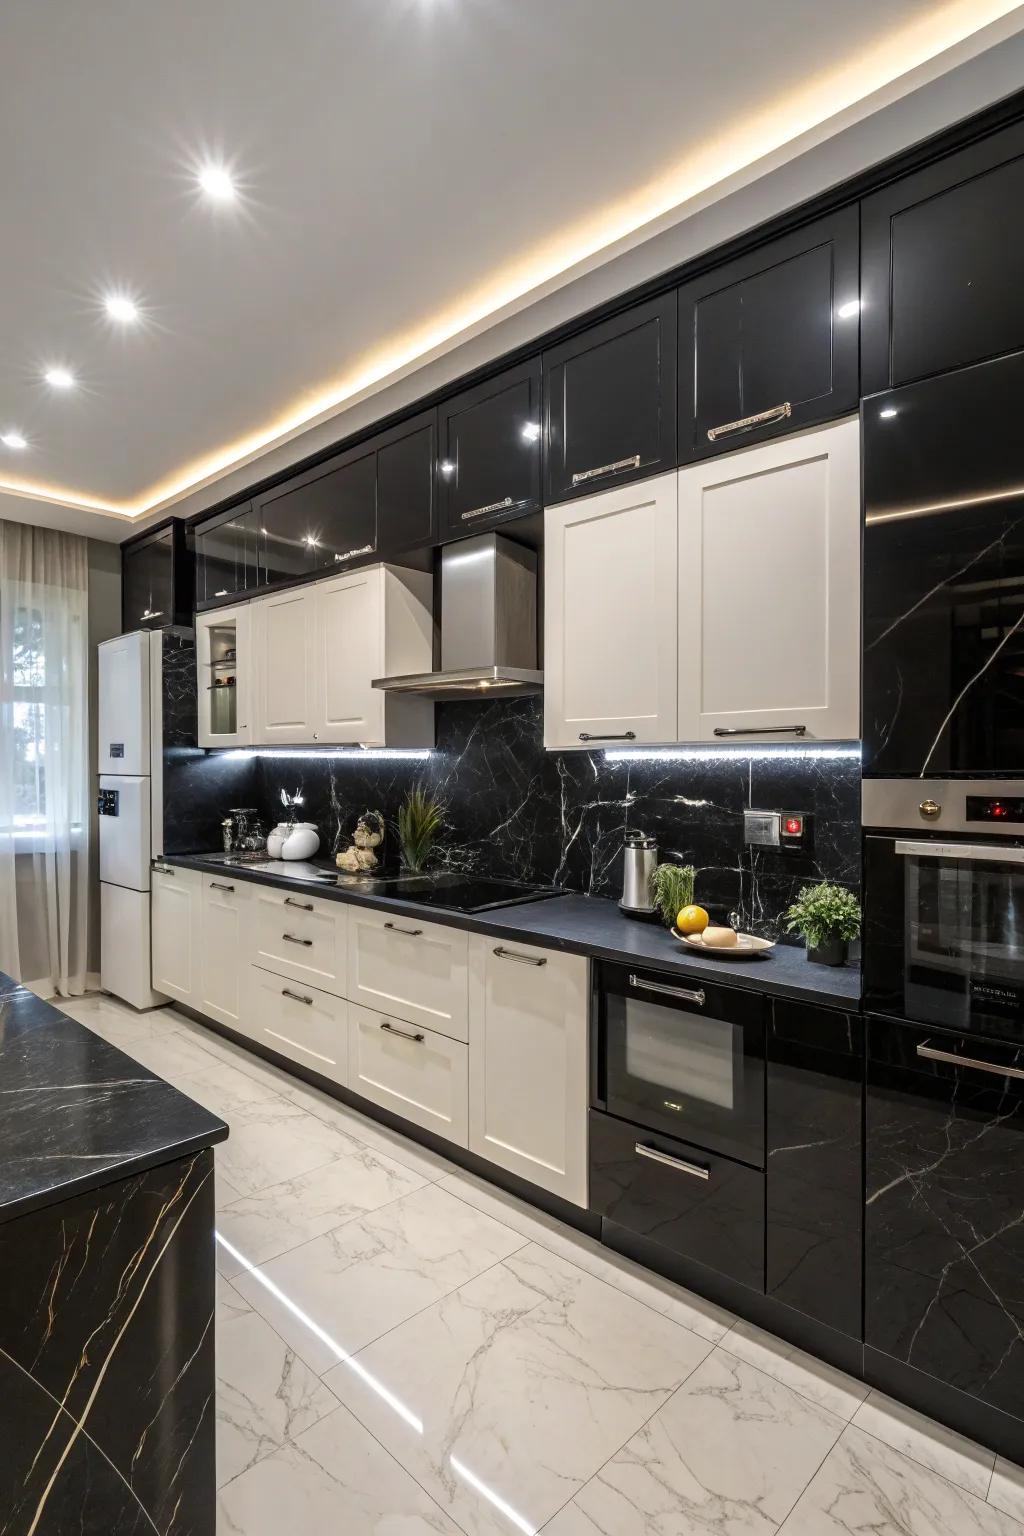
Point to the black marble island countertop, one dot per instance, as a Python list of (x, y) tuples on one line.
[(586, 925), (76, 1113)]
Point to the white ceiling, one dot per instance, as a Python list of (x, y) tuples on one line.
[(406, 166)]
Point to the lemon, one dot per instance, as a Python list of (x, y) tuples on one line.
[(692, 920)]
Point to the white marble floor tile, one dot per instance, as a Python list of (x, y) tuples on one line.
[(821, 1383), (267, 1224), (506, 1396), (865, 1488), (115, 1021), (1006, 1490), (172, 1055), (335, 1480), (274, 1142), (933, 1445), (703, 1317), (265, 1394), (731, 1451), (227, 1092), (368, 1276)]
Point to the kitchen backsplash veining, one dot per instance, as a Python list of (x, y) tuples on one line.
[(514, 810)]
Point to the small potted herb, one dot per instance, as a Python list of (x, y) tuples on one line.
[(672, 890), (420, 818), (828, 917)]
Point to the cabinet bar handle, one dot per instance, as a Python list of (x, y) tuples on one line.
[(930, 1053), (303, 906), (760, 730), (406, 1034), (685, 993), (622, 736), (411, 933), (492, 506), (216, 885), (747, 423), (350, 554), (510, 954), (291, 939), (297, 997), (163, 869), (678, 1163), (583, 475)]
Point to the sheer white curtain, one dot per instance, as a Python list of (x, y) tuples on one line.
[(44, 750)]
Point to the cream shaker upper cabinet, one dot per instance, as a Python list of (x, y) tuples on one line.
[(224, 662), (769, 580), (282, 644), (374, 622), (610, 601)]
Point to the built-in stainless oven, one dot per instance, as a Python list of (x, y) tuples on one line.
[(944, 903), (683, 1057)]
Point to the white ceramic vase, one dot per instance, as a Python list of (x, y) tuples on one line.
[(302, 841)]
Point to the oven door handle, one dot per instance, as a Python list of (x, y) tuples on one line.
[(678, 1163), (921, 848), (685, 993), (930, 1053)]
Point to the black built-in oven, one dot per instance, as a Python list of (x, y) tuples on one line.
[(685, 1057), (944, 904)]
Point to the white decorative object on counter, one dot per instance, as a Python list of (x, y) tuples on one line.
[(302, 841), (276, 839)]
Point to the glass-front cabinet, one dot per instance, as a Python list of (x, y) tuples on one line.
[(156, 579), (224, 663), (226, 556)]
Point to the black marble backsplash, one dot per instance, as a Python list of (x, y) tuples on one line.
[(513, 809)]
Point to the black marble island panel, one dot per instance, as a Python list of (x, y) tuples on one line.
[(106, 1287)]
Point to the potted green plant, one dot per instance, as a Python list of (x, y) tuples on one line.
[(828, 917), (672, 888), (420, 818)]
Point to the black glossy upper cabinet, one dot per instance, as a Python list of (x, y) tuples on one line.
[(769, 342), (226, 556), (157, 581), (610, 402), (942, 264), (407, 484), (322, 520), (489, 446)]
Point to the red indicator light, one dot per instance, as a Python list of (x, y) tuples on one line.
[(793, 826), (998, 810)]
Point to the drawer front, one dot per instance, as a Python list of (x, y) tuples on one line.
[(409, 970), (300, 937), (224, 944), (298, 1021), (701, 1207), (416, 1073)]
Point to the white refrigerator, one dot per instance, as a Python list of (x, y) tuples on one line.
[(130, 810)]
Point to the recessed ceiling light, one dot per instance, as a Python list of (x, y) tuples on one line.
[(13, 440), (120, 307), (60, 378), (216, 182)]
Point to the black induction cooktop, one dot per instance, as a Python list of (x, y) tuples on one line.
[(461, 893)]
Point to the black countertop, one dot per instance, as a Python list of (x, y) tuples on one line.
[(585, 925), (77, 1113)]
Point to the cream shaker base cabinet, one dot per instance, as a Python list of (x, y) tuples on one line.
[(769, 614), (224, 942), (175, 924), (414, 1072), (298, 1021), (528, 1063), (409, 969), (610, 601), (299, 937)]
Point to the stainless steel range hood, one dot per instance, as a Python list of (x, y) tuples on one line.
[(488, 624)]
